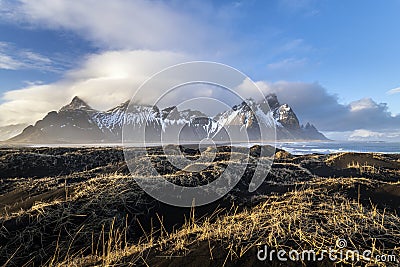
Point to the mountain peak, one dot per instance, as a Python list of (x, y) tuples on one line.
[(272, 101), (76, 103), (78, 122), (286, 116)]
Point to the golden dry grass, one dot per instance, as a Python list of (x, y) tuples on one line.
[(364, 168), (307, 218), (86, 222)]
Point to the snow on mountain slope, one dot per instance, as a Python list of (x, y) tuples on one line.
[(78, 121)]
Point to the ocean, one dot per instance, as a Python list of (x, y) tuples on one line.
[(296, 148), (300, 148)]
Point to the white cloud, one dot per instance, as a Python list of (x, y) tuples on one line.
[(131, 31), (394, 91), (12, 58), (121, 24), (35, 57), (365, 135), (32, 83), (109, 78), (363, 104), (105, 80), (9, 63), (288, 64), (362, 133), (314, 104)]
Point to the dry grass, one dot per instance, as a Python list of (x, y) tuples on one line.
[(88, 218), (363, 168), (307, 218)]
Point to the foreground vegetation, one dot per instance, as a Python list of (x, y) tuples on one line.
[(97, 215)]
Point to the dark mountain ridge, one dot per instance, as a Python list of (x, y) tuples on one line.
[(77, 122)]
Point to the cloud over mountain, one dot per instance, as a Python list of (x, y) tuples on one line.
[(139, 38), (105, 80), (315, 104), (108, 78)]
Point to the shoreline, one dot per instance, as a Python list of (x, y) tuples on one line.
[(293, 147)]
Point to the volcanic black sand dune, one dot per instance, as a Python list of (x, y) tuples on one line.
[(80, 207)]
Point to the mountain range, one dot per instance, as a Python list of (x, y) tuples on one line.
[(77, 122)]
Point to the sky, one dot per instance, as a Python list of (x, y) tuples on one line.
[(335, 62)]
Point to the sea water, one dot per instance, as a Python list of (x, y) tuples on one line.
[(299, 148), (296, 148)]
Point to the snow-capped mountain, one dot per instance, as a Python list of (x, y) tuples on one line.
[(77, 122), (250, 114)]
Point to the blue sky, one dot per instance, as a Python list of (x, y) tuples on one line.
[(344, 51), (350, 47)]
